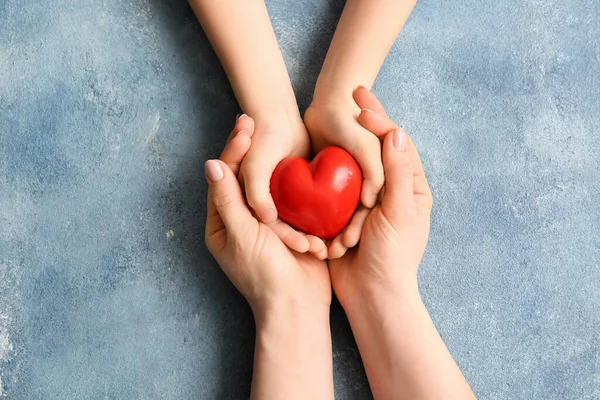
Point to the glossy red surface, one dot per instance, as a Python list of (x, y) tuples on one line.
[(319, 197)]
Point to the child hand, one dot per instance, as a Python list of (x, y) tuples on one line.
[(395, 232), (271, 143), (256, 261), (334, 122)]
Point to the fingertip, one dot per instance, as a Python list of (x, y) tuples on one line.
[(214, 171), (317, 247), (259, 198), (399, 139), (370, 192), (301, 244), (245, 123), (351, 238), (336, 249), (368, 199)]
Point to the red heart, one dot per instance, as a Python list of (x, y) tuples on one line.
[(318, 198)]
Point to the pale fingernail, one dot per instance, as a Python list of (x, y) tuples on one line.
[(213, 170), (366, 110), (399, 139), (240, 117), (240, 132)]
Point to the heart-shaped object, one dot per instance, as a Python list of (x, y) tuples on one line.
[(319, 197)]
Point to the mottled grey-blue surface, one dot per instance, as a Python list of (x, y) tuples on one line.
[(109, 108)]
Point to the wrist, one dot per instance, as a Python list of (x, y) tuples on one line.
[(330, 92), (293, 353), (373, 295), (275, 114), (297, 330), (289, 312)]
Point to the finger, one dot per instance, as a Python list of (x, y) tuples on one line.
[(232, 155), (290, 237), (226, 196), (368, 155), (377, 124), (381, 126), (336, 248), (398, 174), (235, 150), (245, 123), (421, 188), (365, 99), (257, 179), (242, 123), (352, 233), (317, 247)]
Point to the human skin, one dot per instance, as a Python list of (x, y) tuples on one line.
[(289, 292), (365, 33), (376, 282), (243, 38)]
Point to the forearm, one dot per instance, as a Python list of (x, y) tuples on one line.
[(293, 357), (403, 354), (243, 38), (366, 31)]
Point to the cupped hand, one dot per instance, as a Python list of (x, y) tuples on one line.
[(254, 258), (332, 120), (395, 232), (271, 143)]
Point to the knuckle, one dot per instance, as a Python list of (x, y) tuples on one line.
[(225, 199)]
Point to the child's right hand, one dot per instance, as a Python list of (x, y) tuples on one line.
[(395, 232)]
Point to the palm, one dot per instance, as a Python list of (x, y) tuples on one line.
[(283, 267), (379, 242)]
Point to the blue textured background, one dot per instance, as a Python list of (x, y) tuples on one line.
[(109, 108)]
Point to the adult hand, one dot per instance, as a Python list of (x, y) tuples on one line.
[(395, 232), (258, 263)]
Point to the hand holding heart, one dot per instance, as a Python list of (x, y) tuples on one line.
[(392, 235), (395, 232), (256, 261)]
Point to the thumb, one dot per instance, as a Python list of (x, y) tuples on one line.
[(368, 156), (225, 193), (257, 181), (398, 167)]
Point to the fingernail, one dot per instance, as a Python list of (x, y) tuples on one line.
[(213, 170), (240, 117), (360, 86), (399, 139), (366, 110), (240, 132)]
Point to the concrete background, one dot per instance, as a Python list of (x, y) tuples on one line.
[(109, 108)]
